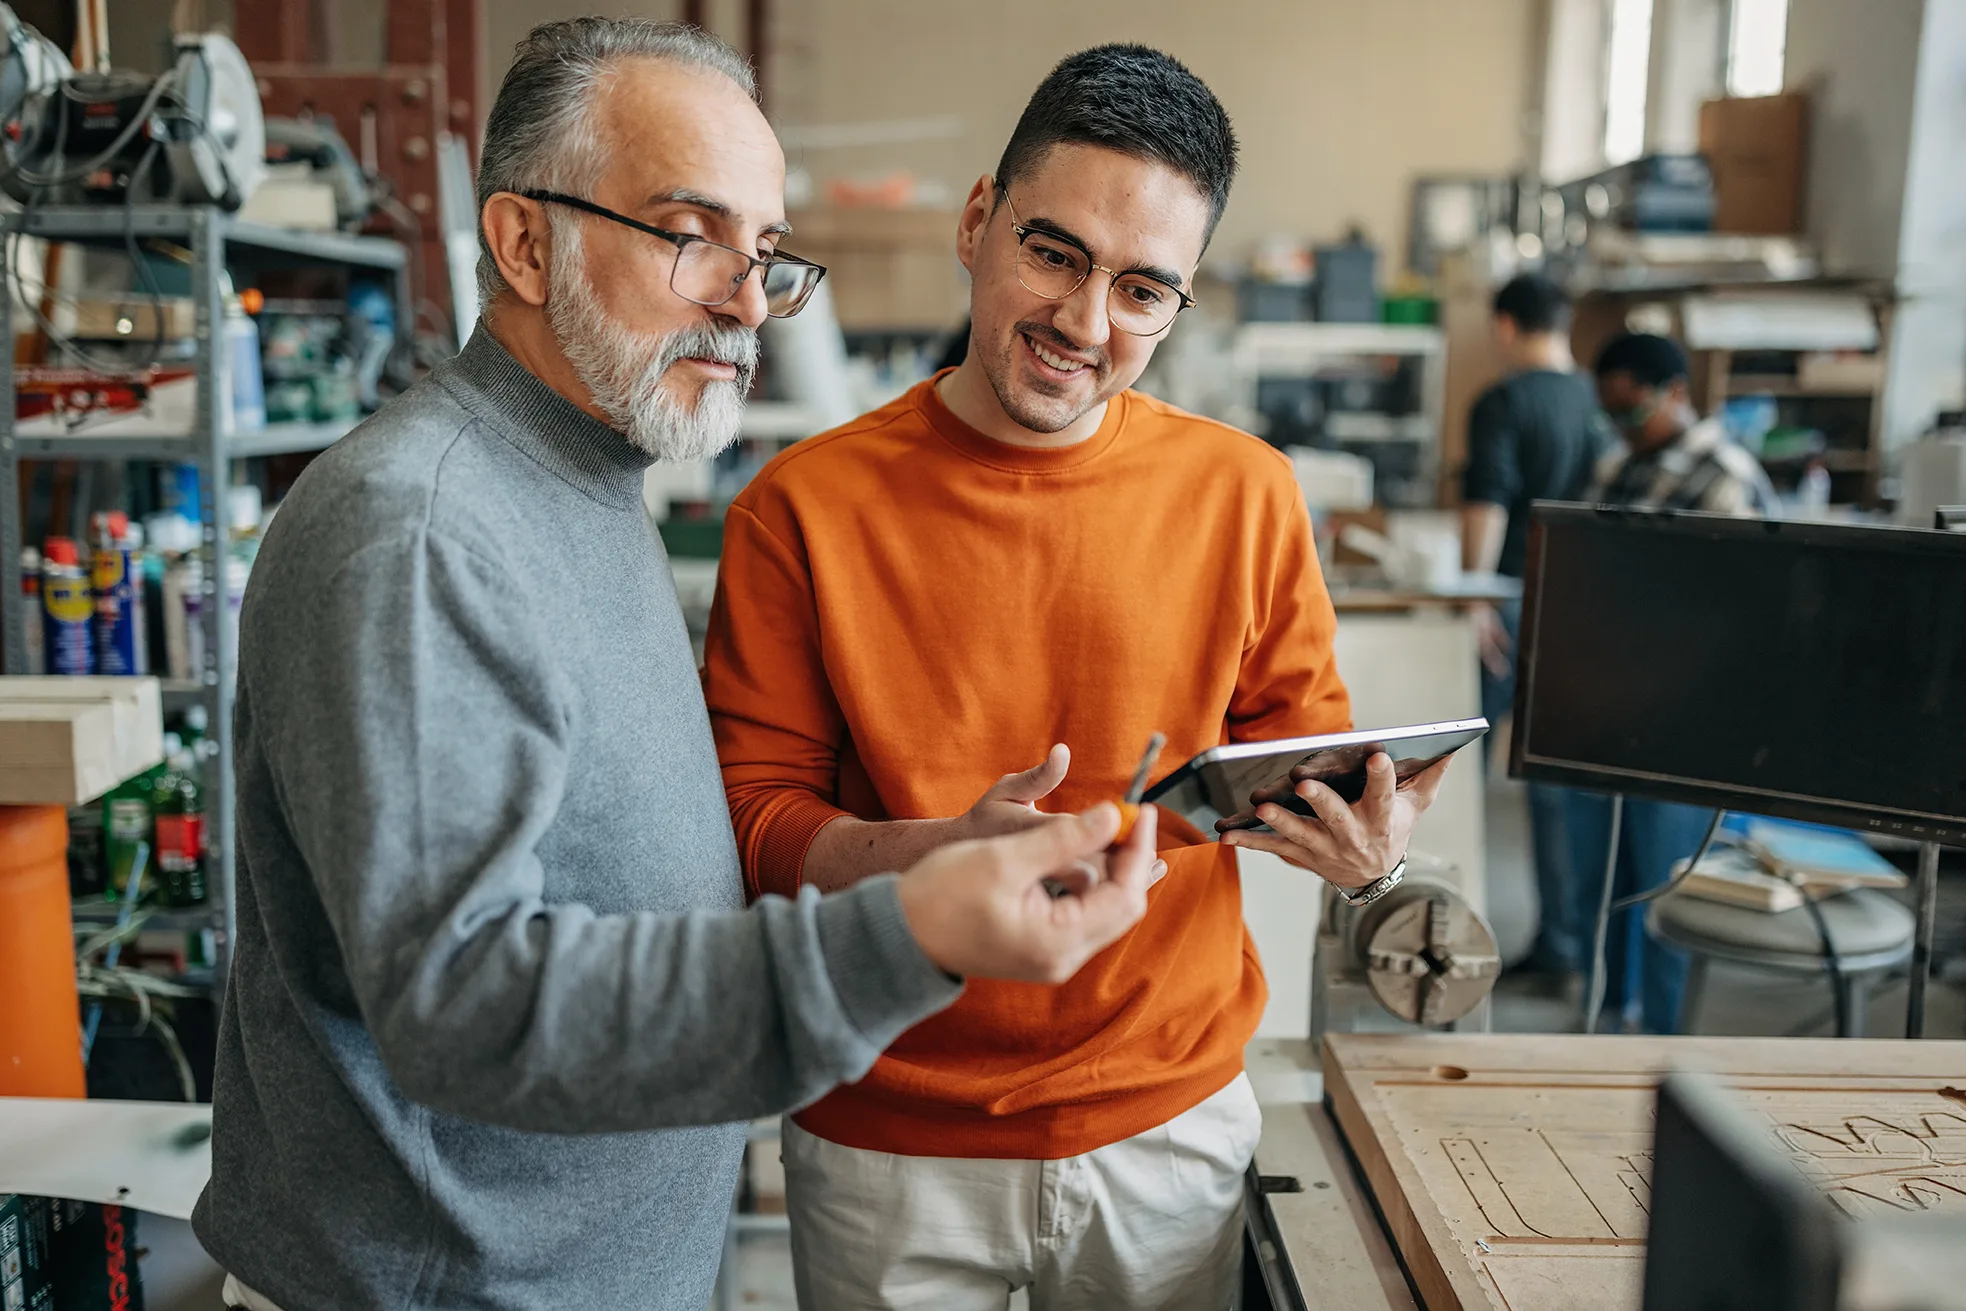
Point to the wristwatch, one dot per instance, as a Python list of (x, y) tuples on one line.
[(1376, 889)]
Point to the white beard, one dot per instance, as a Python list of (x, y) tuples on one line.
[(623, 369)]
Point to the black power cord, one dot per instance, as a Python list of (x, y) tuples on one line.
[(1599, 983), (1831, 961)]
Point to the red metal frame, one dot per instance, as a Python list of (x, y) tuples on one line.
[(430, 84)]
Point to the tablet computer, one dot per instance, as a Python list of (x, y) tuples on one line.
[(1216, 785)]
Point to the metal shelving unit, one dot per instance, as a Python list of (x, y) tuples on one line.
[(1262, 351), (217, 242)]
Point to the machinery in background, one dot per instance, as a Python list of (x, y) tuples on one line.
[(32, 71), (1933, 470), (1654, 193), (313, 179), (1421, 954), (193, 134)]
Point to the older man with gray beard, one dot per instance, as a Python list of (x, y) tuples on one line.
[(495, 1002)]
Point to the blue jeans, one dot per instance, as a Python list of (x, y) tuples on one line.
[(1498, 693), (1655, 835), (1561, 934)]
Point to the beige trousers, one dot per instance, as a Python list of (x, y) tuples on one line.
[(237, 1294), (1151, 1223)]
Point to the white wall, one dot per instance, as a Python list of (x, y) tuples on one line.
[(1887, 186), (1928, 353), (1573, 105), (1858, 62), (1338, 105), (1688, 68)]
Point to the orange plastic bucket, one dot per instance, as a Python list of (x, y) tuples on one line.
[(40, 1015)]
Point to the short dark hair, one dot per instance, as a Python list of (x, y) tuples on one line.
[(1534, 303), (1135, 100), (1651, 360)]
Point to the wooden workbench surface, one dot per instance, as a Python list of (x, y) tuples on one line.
[(1513, 1170)]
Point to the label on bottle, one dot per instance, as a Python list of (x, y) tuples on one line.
[(127, 819), (180, 842)]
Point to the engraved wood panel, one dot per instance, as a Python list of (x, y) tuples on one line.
[(1513, 1170)]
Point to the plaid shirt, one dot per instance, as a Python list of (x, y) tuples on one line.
[(1702, 470)]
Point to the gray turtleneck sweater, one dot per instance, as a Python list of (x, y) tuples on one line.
[(496, 1011)]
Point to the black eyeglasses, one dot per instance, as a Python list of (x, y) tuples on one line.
[(1054, 266), (710, 273)]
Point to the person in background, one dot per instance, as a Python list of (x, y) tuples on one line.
[(1016, 557), (497, 1014), (1535, 435), (1669, 459)]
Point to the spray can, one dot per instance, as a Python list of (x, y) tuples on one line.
[(118, 579), (30, 602), (184, 618), (66, 609)]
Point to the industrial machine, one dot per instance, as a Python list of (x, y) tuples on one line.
[(1421, 954), (193, 134), (32, 71)]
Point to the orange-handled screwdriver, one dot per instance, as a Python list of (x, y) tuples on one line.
[(1130, 805)]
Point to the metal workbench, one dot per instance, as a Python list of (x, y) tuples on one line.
[(1330, 1239)]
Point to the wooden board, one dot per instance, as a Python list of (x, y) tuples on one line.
[(64, 741), (1513, 1170)]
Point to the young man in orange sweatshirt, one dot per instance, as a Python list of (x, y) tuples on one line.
[(1023, 560)]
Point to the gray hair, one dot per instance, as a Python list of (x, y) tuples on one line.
[(541, 134)]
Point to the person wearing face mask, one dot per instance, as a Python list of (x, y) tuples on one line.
[(1670, 459), (1023, 560), (497, 1013)]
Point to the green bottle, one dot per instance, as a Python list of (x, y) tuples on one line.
[(127, 819), (180, 825)]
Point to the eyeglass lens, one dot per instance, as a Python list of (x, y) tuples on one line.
[(1055, 269), (710, 274)]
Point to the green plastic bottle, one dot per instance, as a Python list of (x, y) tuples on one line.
[(127, 819), (180, 825)]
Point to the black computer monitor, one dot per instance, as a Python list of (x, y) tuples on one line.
[(1814, 671), (1735, 1225)]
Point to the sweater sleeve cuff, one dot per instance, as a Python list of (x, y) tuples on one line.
[(783, 835), (884, 982)]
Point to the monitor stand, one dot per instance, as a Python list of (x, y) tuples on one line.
[(1921, 948)]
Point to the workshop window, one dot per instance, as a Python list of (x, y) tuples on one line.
[(1628, 60), (1757, 40)]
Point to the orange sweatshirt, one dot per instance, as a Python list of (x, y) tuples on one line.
[(908, 610)]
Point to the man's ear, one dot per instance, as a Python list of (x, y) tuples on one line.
[(974, 219), (520, 238)]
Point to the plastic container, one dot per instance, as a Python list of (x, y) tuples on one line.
[(40, 1024), (30, 600), (178, 808)]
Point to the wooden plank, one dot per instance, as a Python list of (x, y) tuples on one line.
[(1513, 1170), (64, 741)]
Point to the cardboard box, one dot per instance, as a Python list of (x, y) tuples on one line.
[(27, 1277), (888, 269), (1756, 147), (95, 1256), (64, 741)]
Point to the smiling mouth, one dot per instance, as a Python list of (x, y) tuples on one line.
[(1052, 359)]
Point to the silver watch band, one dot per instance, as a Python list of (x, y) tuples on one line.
[(1376, 889)]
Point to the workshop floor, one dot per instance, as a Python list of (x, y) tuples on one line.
[(179, 1277)]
